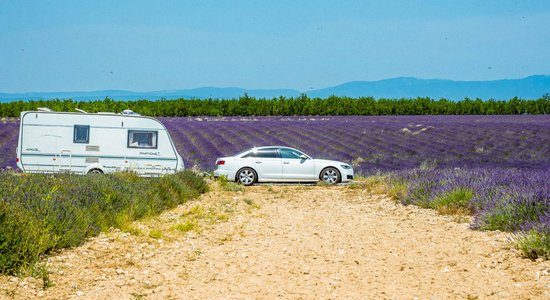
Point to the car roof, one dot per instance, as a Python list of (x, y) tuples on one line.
[(263, 147), (268, 147)]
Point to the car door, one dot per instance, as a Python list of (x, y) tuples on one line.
[(267, 163), (295, 167)]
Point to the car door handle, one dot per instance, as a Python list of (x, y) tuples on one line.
[(258, 162), (286, 162)]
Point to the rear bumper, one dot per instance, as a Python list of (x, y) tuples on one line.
[(230, 175)]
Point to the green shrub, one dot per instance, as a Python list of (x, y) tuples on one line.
[(40, 213)]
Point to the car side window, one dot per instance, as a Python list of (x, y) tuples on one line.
[(264, 153), (290, 153), (81, 134)]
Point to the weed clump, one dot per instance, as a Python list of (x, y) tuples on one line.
[(229, 186)]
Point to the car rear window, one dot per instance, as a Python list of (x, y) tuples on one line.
[(264, 153)]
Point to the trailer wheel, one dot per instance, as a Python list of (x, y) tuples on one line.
[(95, 171)]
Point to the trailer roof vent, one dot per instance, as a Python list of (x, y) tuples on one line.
[(129, 112), (45, 109), (80, 110)]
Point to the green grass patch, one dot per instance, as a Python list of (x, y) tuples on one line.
[(229, 186), (398, 190), (156, 234), (534, 244), (251, 204), (456, 201), (510, 215), (188, 225), (41, 213)]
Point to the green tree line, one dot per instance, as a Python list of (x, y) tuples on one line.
[(283, 106)]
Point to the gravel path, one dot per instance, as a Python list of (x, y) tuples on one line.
[(292, 242)]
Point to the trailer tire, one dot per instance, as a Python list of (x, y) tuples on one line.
[(95, 172)]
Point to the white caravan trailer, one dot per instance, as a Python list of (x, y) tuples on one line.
[(87, 143)]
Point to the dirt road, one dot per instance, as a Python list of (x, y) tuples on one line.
[(292, 242)]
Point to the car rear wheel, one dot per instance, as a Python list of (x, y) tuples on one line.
[(330, 176), (246, 176)]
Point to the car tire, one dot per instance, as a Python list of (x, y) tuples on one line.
[(95, 172), (246, 176), (330, 175)]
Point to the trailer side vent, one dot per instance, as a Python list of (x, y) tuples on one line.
[(92, 148), (91, 160)]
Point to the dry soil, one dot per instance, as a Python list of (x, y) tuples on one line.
[(291, 242)]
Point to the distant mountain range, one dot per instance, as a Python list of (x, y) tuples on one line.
[(532, 87)]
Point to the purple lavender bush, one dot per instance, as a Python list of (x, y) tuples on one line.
[(9, 131), (499, 199), (507, 199)]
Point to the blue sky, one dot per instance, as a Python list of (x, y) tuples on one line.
[(163, 45)]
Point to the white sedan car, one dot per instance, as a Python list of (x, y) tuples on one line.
[(280, 164)]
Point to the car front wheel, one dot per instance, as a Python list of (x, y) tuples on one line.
[(330, 176), (246, 176)]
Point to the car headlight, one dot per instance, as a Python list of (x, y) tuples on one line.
[(345, 167)]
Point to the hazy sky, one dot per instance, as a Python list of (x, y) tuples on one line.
[(163, 45)]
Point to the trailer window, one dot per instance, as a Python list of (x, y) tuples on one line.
[(142, 139), (81, 134)]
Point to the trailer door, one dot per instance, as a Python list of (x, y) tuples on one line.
[(143, 145)]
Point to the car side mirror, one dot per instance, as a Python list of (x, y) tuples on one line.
[(303, 157)]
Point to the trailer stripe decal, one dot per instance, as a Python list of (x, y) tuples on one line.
[(91, 126), (103, 156)]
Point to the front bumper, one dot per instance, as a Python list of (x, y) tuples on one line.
[(347, 175)]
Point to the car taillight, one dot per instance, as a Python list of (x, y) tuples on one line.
[(17, 160), (220, 162)]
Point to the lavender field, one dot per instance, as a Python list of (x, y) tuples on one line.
[(374, 143), (370, 144)]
